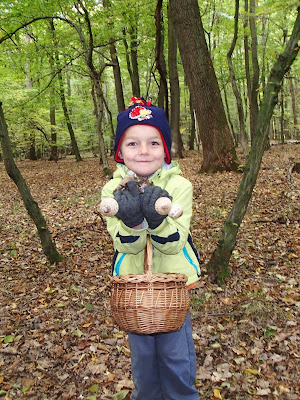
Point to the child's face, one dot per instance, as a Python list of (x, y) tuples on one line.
[(142, 149)]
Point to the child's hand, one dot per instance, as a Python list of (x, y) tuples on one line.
[(129, 205), (148, 199)]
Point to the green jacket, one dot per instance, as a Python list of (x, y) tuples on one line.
[(173, 250)]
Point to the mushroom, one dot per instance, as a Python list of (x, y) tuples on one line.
[(109, 206)]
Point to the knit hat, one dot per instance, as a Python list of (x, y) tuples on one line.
[(141, 112)]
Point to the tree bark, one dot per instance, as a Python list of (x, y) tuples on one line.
[(160, 63), (75, 149), (193, 128), (32, 152), (236, 92), (218, 148), (53, 152), (31, 206), (53, 143), (218, 266), (294, 108), (117, 76), (246, 56), (177, 145), (235, 135), (255, 70), (132, 59), (88, 47), (115, 61)]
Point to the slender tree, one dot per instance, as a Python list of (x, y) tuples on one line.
[(132, 55), (218, 266), (75, 149), (115, 61), (177, 145), (31, 206), (237, 94), (160, 63), (52, 110), (254, 84)]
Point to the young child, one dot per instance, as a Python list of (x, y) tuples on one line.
[(163, 364)]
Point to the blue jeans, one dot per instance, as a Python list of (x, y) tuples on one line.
[(164, 365)]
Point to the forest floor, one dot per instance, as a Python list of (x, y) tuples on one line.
[(57, 337)]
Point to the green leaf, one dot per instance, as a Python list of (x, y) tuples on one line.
[(25, 389), (78, 332), (93, 388), (92, 397), (269, 332), (89, 307), (121, 395), (74, 288), (8, 339), (16, 386)]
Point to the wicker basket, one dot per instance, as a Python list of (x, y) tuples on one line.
[(149, 303)]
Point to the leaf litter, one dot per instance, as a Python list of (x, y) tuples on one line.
[(57, 336)]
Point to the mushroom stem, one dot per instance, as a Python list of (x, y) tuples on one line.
[(109, 207)]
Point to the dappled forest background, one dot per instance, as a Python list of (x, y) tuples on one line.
[(68, 68)]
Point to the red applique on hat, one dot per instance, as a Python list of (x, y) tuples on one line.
[(140, 113)]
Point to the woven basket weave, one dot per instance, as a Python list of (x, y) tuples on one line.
[(149, 303)]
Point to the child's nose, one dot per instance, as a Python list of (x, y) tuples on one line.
[(144, 148)]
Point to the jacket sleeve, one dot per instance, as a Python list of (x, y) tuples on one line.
[(125, 239), (171, 235)]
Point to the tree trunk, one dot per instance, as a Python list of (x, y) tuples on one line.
[(74, 145), (111, 125), (115, 61), (131, 60), (160, 62), (281, 117), (246, 56), (75, 149), (32, 152), (294, 108), (255, 70), (99, 97), (237, 94), (88, 46), (53, 143), (218, 266), (31, 206), (218, 148), (117, 77), (193, 127), (177, 145), (134, 62), (53, 152), (235, 135)]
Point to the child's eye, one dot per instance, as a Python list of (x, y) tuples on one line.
[(131, 144), (154, 143)]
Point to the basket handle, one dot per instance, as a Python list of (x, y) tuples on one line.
[(148, 257)]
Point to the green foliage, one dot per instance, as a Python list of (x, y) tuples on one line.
[(28, 72)]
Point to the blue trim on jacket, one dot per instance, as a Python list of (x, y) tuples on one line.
[(117, 269), (187, 256)]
